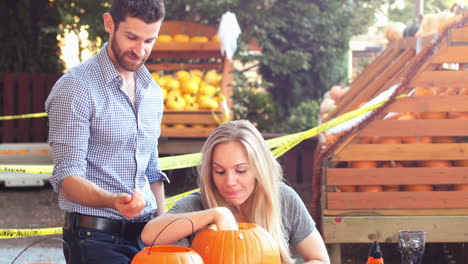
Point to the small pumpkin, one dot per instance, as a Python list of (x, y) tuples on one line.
[(181, 37), (164, 38), (250, 244), (167, 254), (199, 39)]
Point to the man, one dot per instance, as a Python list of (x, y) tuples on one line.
[(105, 117)]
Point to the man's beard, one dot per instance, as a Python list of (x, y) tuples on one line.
[(120, 57)]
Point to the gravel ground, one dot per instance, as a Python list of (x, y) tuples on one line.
[(30, 208)]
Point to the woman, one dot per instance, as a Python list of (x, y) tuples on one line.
[(241, 181)]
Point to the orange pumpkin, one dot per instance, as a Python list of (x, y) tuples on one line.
[(417, 140), (166, 254), (347, 188), (434, 163), (421, 91), (458, 115), (444, 140), (433, 115), (369, 188), (387, 140), (250, 244), (418, 188)]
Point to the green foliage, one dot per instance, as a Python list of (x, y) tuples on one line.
[(28, 33), (253, 103), (303, 117)]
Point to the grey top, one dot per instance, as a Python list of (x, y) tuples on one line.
[(297, 222)]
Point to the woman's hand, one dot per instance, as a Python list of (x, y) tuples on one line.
[(224, 219)]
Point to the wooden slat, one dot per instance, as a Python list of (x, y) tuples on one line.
[(189, 117), (193, 29), (399, 212), (382, 79), (418, 104), (187, 46), (441, 78), (8, 126), (23, 106), (398, 176), (454, 54), (179, 66), (38, 98), (384, 229), (387, 152), (181, 54), (186, 132), (458, 36), (418, 127), (367, 76), (397, 200)]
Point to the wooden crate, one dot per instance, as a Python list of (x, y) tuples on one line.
[(440, 62), (197, 123)]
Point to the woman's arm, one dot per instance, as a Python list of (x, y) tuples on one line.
[(313, 250), (179, 229)]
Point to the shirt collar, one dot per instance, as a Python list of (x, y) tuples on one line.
[(110, 72)]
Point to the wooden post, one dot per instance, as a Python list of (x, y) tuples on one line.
[(418, 9)]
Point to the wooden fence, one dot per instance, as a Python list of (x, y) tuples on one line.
[(24, 93)]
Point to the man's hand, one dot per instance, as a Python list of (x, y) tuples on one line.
[(130, 205)]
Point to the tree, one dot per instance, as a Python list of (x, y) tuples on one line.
[(29, 42)]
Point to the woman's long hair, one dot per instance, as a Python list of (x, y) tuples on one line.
[(268, 173)]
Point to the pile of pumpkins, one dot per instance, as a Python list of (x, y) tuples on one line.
[(190, 90), (182, 37), (432, 91), (330, 99), (250, 244), (430, 24)]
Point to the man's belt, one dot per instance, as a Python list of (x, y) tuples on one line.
[(121, 228)]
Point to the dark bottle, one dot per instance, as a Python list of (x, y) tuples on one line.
[(375, 254)]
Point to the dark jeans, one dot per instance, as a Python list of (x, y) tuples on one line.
[(91, 246)]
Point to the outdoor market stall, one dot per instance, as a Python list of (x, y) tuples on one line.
[(403, 166)]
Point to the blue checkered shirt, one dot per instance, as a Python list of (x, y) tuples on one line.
[(95, 132)]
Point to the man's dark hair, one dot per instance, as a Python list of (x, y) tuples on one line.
[(149, 11)]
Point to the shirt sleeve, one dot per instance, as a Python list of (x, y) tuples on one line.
[(69, 111), (297, 222), (153, 171), (190, 203)]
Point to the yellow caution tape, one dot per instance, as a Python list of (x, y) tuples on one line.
[(33, 115), (15, 233)]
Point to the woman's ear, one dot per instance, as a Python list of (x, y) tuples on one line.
[(108, 23)]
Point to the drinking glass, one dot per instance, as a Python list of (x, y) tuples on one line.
[(411, 246)]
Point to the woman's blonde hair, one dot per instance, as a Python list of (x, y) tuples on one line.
[(268, 173)]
